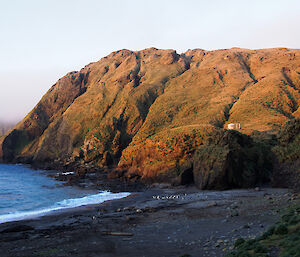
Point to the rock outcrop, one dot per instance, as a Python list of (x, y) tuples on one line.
[(231, 160), (287, 170), (147, 112)]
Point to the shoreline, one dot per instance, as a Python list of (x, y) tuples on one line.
[(97, 196), (55, 210), (84, 176), (180, 221)]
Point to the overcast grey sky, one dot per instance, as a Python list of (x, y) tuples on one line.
[(42, 40)]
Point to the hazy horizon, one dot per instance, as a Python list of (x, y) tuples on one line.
[(43, 40)]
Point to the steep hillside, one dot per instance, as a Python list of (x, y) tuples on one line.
[(148, 111)]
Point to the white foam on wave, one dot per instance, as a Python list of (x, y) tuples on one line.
[(62, 205)]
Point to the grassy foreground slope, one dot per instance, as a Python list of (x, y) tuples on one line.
[(148, 111), (282, 239)]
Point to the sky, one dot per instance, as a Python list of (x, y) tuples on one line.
[(42, 40)]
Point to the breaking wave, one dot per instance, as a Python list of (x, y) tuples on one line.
[(62, 205)]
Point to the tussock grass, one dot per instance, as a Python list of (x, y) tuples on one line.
[(284, 237)]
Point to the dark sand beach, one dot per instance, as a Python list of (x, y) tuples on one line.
[(155, 222)]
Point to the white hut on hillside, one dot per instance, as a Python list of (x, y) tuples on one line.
[(234, 126)]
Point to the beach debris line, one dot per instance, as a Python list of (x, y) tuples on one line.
[(110, 233), (168, 197)]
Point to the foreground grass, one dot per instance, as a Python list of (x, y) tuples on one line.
[(282, 239)]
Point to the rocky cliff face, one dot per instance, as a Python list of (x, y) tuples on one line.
[(230, 159), (148, 111), (287, 169)]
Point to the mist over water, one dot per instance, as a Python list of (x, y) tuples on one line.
[(26, 193)]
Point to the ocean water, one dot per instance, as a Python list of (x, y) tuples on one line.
[(27, 193)]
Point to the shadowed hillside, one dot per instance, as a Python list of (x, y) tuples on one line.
[(148, 111)]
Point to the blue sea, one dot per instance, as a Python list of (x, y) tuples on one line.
[(27, 193)]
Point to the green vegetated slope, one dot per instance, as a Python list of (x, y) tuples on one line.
[(282, 239), (148, 111)]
